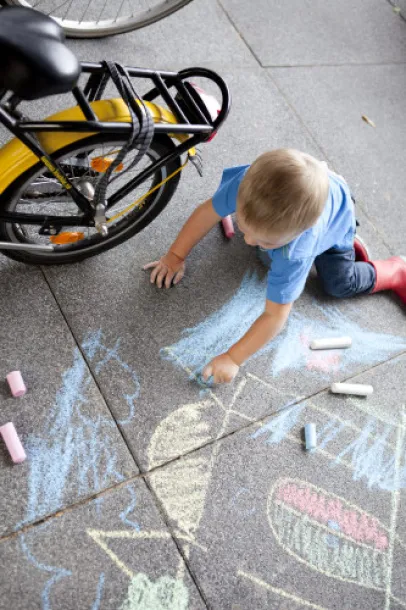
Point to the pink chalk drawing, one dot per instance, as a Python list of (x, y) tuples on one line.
[(328, 509), (328, 534), (325, 361)]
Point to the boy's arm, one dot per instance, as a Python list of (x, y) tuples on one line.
[(172, 265), (203, 219), (225, 367), (263, 330)]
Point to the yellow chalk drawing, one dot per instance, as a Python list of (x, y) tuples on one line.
[(281, 592), (182, 489), (188, 427), (183, 485), (100, 536), (165, 594)]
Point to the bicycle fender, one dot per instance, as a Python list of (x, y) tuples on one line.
[(16, 157)]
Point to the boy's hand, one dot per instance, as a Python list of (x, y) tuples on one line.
[(169, 267), (222, 368)]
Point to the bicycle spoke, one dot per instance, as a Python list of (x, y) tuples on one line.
[(66, 12), (101, 17), (103, 7), (121, 6)]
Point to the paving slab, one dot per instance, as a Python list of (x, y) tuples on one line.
[(111, 553), (73, 445), (274, 526), (198, 34), (295, 33), (369, 157), (399, 5)]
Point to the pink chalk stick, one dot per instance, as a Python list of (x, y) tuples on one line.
[(13, 443), (16, 384), (228, 227)]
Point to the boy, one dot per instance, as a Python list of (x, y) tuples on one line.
[(290, 205)]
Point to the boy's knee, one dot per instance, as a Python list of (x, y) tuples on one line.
[(339, 288)]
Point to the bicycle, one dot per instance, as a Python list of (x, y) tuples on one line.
[(100, 18), (67, 183)]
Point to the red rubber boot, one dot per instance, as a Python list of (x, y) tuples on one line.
[(361, 250), (391, 275)]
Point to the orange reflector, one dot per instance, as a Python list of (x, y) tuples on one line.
[(68, 237), (102, 164)]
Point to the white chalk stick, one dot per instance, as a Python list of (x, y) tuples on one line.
[(352, 388), (331, 343), (310, 437)]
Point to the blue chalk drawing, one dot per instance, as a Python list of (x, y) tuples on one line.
[(329, 432), (290, 350), (373, 458), (219, 331), (237, 502), (99, 592), (75, 455), (280, 425), (372, 453), (57, 573), (93, 345), (331, 540), (127, 511)]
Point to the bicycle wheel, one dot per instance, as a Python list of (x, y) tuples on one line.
[(97, 18), (36, 191)]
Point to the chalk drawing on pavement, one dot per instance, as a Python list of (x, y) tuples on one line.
[(290, 350)]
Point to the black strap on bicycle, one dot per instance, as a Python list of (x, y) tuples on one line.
[(142, 128)]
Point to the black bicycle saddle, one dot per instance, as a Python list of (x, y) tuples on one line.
[(34, 61)]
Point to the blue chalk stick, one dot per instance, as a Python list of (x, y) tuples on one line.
[(310, 436)]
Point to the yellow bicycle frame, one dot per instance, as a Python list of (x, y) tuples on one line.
[(16, 157)]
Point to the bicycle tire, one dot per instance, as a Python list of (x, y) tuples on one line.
[(124, 230), (76, 28)]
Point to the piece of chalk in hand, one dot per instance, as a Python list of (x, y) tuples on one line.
[(228, 227), (13, 443), (352, 388), (331, 343), (16, 384), (310, 437)]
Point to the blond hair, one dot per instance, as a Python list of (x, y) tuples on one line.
[(283, 190)]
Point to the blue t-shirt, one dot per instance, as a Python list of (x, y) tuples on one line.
[(290, 265)]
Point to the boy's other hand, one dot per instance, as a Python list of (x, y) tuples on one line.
[(170, 268), (222, 368)]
